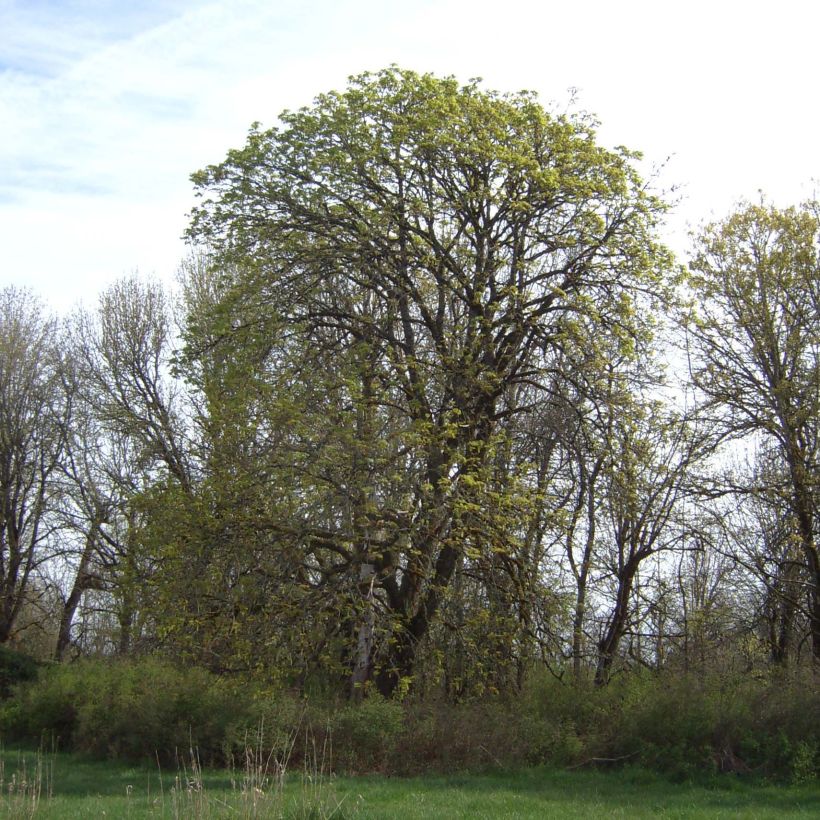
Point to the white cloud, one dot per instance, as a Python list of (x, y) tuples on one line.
[(107, 107)]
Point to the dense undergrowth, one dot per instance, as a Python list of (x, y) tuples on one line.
[(681, 724)]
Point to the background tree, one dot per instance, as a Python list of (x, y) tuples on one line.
[(100, 480), (755, 346), (123, 356), (129, 436), (34, 408), (709, 619), (760, 536), (650, 456)]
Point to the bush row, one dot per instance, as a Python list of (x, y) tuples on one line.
[(682, 725)]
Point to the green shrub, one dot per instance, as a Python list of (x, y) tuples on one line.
[(15, 667), (482, 734), (274, 726), (804, 762), (687, 724), (364, 734), (129, 710), (681, 725), (668, 726), (46, 707)]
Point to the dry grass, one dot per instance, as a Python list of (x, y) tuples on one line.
[(25, 785)]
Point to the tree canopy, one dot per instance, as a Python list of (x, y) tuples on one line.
[(434, 250)]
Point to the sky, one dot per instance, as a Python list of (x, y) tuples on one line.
[(108, 106)]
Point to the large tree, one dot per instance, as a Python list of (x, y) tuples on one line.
[(430, 246)]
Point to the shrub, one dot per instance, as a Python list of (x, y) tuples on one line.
[(668, 725), (804, 762), (127, 710), (682, 725), (274, 726), (15, 667), (47, 706), (476, 735), (364, 734)]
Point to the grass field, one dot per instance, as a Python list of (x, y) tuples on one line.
[(63, 786)]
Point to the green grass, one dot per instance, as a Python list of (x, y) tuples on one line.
[(561, 794), (72, 787)]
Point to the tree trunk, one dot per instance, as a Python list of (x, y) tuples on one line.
[(609, 643), (578, 631), (83, 580), (404, 646), (804, 511), (363, 666), (66, 619)]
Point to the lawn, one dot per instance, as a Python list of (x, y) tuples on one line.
[(71, 787)]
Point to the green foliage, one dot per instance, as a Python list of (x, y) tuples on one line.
[(132, 710), (398, 269), (683, 725), (366, 735), (15, 667), (805, 762)]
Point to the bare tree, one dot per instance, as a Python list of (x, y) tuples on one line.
[(128, 432), (33, 411)]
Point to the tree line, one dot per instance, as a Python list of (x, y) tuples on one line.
[(431, 405)]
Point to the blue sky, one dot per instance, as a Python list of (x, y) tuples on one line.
[(107, 107), (44, 37)]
